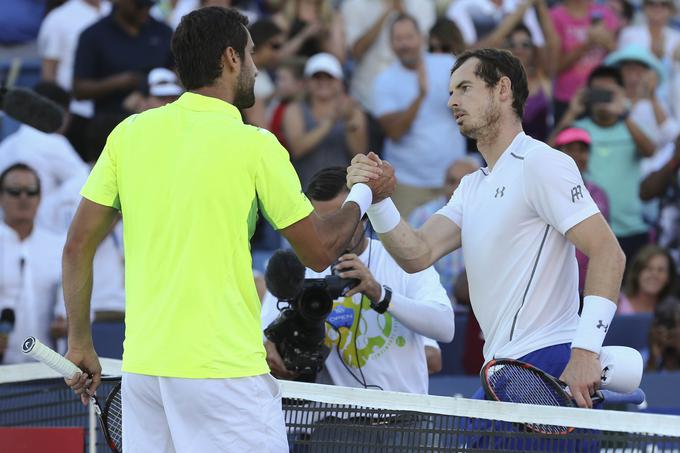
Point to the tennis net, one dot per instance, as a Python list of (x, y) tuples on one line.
[(337, 419)]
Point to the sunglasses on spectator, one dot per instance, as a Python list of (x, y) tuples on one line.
[(520, 45), (17, 191)]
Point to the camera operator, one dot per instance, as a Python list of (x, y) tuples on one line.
[(375, 332)]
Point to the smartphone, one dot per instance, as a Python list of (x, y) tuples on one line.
[(597, 96)]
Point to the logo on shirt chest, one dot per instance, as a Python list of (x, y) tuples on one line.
[(500, 191)]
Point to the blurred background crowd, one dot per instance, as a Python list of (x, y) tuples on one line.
[(341, 77)]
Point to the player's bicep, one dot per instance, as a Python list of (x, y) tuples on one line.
[(91, 224), (590, 234), (441, 235)]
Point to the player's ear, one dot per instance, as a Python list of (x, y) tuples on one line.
[(231, 60), (505, 88)]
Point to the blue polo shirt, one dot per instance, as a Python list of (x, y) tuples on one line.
[(105, 49)]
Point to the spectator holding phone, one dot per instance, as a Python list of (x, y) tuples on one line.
[(616, 148)]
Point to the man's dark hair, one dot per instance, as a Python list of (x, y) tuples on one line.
[(448, 33), (327, 184), (264, 30), (404, 17), (53, 92), (521, 28), (492, 66), (200, 41), (21, 167), (606, 72)]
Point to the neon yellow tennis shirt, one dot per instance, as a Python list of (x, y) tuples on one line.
[(189, 179)]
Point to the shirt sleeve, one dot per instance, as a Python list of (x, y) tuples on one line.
[(85, 64), (453, 210), (279, 192), (425, 308), (50, 39), (102, 184), (555, 189), (385, 100)]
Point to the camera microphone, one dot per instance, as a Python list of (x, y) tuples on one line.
[(6, 324), (28, 107), (285, 275)]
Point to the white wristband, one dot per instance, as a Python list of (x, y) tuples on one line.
[(384, 216), (362, 195), (596, 317)]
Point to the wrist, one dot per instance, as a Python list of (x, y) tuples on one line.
[(384, 216), (362, 196), (596, 318)]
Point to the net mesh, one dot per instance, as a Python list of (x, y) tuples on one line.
[(335, 419)]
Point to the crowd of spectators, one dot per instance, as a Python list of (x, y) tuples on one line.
[(342, 77)]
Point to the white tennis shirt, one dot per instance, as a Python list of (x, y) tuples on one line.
[(521, 269)]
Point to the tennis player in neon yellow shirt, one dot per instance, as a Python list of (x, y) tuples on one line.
[(189, 179)]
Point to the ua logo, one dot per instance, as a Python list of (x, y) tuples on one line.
[(500, 191), (576, 193), (600, 324)]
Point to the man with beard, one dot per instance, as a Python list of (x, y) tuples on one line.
[(517, 221), (409, 101), (189, 178)]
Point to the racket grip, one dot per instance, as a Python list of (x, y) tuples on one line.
[(32, 347), (637, 396)]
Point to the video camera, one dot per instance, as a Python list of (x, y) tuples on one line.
[(299, 330)]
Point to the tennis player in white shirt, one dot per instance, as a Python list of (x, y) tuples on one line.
[(518, 220)]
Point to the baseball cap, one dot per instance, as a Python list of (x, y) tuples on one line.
[(571, 135), (163, 82), (324, 62)]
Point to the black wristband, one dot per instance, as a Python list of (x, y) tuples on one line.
[(381, 307)]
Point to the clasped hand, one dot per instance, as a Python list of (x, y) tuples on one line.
[(378, 174)]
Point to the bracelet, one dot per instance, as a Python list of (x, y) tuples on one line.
[(362, 195), (384, 216), (596, 318)]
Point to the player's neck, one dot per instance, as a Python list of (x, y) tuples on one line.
[(493, 145), (218, 90)]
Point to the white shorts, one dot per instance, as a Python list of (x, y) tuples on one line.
[(202, 415)]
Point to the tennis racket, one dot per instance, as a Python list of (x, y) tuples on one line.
[(514, 381), (110, 417)]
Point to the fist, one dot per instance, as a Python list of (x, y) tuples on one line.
[(385, 185)]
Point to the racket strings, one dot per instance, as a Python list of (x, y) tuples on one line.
[(114, 419), (522, 385)]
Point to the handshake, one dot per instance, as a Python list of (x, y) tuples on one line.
[(376, 173)]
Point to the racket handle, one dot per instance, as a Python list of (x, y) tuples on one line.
[(32, 347), (637, 396)]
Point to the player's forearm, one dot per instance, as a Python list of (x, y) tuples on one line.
[(334, 232), (407, 247), (77, 283), (605, 271), (431, 319)]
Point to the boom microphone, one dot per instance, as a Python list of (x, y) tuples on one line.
[(285, 275), (28, 107)]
